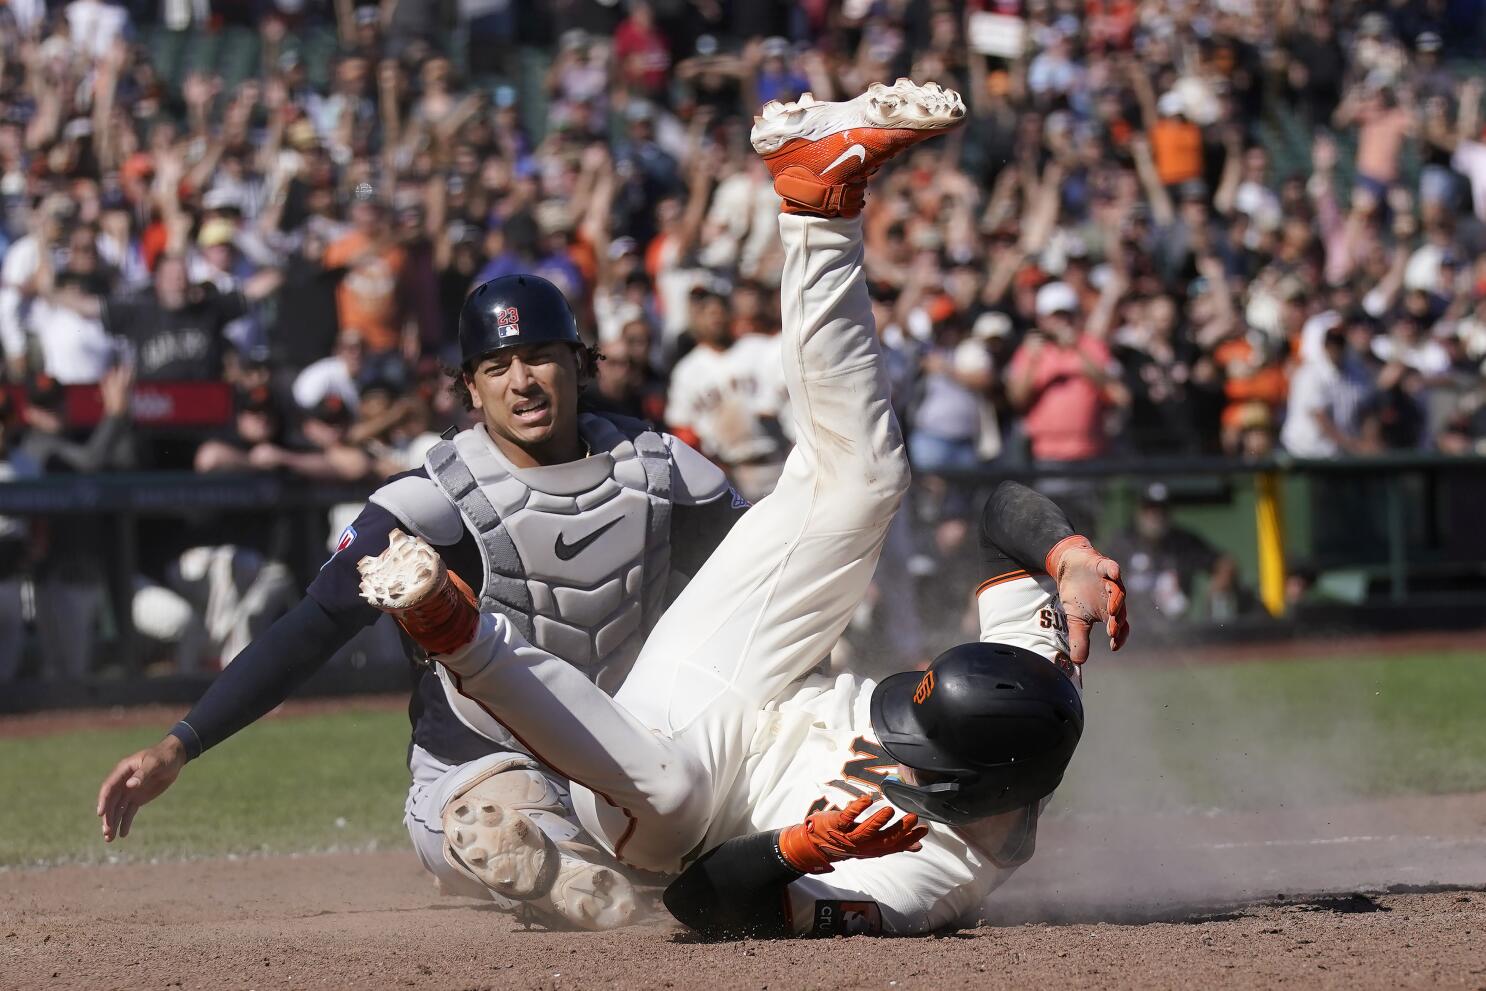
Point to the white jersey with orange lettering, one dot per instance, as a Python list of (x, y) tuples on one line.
[(715, 394), (816, 749)]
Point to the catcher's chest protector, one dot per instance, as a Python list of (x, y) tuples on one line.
[(577, 555)]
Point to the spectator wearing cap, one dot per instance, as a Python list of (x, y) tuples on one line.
[(324, 452), (1063, 380), (339, 374), (1326, 394), (713, 402), (256, 420), (1172, 574), (63, 319), (372, 296), (956, 374), (218, 263)]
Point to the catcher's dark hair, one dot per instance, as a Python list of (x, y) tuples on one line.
[(587, 372)]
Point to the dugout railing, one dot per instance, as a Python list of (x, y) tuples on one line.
[(1356, 544)]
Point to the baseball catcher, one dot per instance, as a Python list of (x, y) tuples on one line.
[(706, 759), (573, 526)]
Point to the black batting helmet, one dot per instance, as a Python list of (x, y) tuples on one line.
[(993, 725), (514, 310)]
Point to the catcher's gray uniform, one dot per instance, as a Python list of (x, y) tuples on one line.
[(576, 556)]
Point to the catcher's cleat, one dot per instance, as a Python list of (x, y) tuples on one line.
[(500, 832), (499, 847), (410, 581), (822, 154)]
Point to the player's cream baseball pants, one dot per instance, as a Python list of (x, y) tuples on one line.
[(650, 766)]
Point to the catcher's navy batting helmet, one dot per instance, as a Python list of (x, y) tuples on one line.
[(992, 725), (514, 310)]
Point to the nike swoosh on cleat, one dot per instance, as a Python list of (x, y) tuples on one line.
[(566, 551), (855, 151)]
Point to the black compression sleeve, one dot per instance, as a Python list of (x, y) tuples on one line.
[(736, 890), (264, 674), (1018, 528)]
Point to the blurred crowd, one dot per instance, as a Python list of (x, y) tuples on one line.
[(1168, 228)]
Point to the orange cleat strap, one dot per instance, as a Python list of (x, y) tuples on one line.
[(803, 191)]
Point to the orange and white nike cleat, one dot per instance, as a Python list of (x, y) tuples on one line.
[(822, 154), (410, 581)]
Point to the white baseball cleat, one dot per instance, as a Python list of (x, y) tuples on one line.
[(820, 154)]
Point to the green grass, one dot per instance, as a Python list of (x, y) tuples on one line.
[(1225, 735), (1275, 733), (286, 785)]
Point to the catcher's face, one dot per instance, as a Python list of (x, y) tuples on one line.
[(528, 396)]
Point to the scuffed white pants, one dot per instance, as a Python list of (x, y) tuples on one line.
[(651, 766)]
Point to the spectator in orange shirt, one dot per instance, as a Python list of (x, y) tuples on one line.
[(1176, 142), (1255, 379), (372, 297)]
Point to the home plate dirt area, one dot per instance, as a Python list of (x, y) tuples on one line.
[(1387, 893)]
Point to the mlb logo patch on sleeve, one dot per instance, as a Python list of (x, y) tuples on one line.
[(847, 919)]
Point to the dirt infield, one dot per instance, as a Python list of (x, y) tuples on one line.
[(1381, 894)]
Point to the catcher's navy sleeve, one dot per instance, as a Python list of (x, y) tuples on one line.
[(299, 644), (1017, 529), (264, 674), (696, 530), (737, 890)]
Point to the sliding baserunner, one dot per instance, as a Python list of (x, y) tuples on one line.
[(664, 771)]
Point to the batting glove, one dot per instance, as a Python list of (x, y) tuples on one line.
[(827, 837), (1091, 591)]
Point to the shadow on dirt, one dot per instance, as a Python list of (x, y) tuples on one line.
[(1196, 914)]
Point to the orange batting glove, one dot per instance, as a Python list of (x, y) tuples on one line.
[(1091, 591), (826, 837)]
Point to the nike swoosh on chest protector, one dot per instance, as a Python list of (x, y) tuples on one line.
[(566, 551), (855, 151)]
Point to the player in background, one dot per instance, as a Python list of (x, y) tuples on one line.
[(673, 764), (572, 525), (722, 399)]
